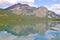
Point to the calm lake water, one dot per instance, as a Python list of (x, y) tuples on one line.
[(29, 31)]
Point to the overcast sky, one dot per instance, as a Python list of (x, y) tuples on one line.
[(53, 5)]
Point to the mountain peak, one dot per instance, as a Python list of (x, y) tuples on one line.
[(22, 4), (18, 4)]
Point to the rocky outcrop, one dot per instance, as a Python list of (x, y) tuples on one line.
[(41, 11)]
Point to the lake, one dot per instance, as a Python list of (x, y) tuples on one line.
[(28, 31)]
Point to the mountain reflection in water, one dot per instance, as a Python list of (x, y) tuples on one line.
[(34, 32)]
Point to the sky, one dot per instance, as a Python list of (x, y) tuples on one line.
[(53, 5)]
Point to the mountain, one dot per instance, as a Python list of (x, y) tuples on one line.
[(20, 9), (41, 11), (58, 15), (24, 9), (53, 14)]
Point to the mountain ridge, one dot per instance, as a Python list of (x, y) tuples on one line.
[(25, 9)]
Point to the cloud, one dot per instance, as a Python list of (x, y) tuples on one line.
[(4, 35), (5, 3), (55, 8)]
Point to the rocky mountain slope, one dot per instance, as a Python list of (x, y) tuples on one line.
[(21, 9), (24, 9)]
